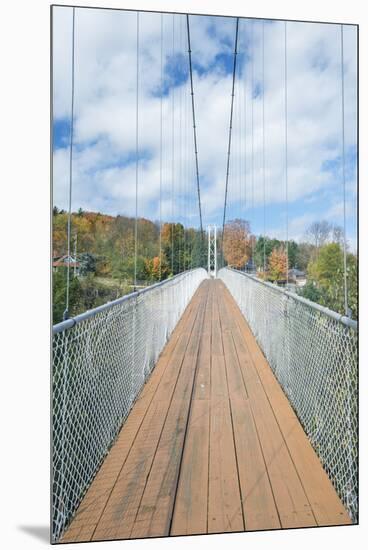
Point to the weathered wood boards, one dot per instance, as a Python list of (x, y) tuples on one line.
[(211, 445)]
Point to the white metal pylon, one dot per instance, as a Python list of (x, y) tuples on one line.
[(212, 251)]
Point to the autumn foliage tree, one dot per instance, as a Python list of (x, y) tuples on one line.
[(237, 243), (157, 269), (277, 264)]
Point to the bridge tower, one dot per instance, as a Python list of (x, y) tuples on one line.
[(212, 251)]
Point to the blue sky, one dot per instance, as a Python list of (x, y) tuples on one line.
[(104, 126)]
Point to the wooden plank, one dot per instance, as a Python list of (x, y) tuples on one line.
[(259, 507), (291, 501), (203, 376), (120, 512), (190, 513), (190, 510), (326, 505), (224, 501), (90, 510), (155, 511), (211, 444)]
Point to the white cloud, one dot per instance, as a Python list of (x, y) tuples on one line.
[(105, 112)]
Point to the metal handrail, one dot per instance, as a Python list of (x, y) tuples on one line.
[(351, 323), (69, 323)]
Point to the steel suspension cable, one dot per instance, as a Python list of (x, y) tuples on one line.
[(136, 156), (245, 142), (230, 131), (66, 312), (185, 168), (172, 152), (240, 144), (180, 243), (286, 160), (194, 129), (346, 307), (263, 154), (252, 127), (161, 93), (190, 175)]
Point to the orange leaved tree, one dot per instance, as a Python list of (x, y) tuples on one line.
[(154, 270), (237, 243), (277, 264)]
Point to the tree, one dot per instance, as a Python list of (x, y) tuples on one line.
[(199, 250), (292, 253), (311, 292), (87, 263), (237, 243), (327, 267), (182, 248), (264, 247), (327, 271), (304, 255), (318, 233), (157, 269), (338, 235), (278, 264), (59, 295), (352, 284)]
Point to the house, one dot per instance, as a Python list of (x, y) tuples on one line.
[(297, 277), (63, 261)]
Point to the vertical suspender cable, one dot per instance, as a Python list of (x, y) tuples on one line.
[(245, 136), (161, 92), (240, 144), (252, 126), (180, 244), (194, 131), (190, 177), (66, 312), (172, 152), (230, 130), (263, 154), (185, 172), (286, 160), (346, 307), (136, 157)]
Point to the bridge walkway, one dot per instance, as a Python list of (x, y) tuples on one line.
[(211, 444)]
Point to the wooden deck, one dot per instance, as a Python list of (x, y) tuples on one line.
[(211, 445)]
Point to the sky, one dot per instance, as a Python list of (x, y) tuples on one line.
[(278, 202)]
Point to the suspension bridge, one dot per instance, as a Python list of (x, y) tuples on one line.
[(209, 402)]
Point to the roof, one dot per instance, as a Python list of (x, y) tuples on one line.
[(64, 261), (296, 272)]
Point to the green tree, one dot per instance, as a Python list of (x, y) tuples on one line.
[(293, 248), (87, 263), (265, 246), (305, 253), (59, 295), (311, 292), (327, 271)]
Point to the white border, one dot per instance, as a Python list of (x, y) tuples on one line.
[(24, 257)]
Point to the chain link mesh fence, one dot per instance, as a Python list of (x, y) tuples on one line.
[(313, 353), (101, 360)]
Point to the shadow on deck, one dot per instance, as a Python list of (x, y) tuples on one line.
[(211, 445)]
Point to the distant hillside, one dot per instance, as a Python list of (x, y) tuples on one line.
[(103, 251)]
